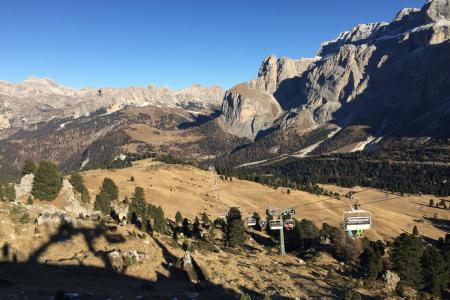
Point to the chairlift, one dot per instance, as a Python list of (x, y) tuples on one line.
[(251, 221), (275, 224), (262, 223), (356, 220), (289, 224)]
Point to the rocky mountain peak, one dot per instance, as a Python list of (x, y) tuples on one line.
[(436, 10)]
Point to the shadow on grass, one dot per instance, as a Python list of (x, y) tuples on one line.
[(34, 279)]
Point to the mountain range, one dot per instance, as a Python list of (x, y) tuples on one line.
[(377, 82)]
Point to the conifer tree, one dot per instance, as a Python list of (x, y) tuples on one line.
[(406, 253), (178, 217), (47, 181), (28, 167), (102, 203), (435, 271), (235, 230), (110, 189), (137, 205), (77, 181)]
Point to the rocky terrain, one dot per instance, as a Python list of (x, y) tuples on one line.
[(384, 79), (63, 246)]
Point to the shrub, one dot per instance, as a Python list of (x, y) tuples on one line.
[(352, 295), (47, 181), (7, 193), (29, 200)]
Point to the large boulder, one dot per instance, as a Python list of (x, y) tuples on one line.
[(55, 217), (23, 189)]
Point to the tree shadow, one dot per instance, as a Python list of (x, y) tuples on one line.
[(442, 224), (34, 279)]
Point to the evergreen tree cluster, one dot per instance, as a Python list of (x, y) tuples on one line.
[(150, 217), (346, 170), (421, 266)]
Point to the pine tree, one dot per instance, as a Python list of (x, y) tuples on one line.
[(110, 189), (137, 205), (47, 181), (235, 232), (415, 231), (102, 203), (178, 217), (406, 253), (196, 227), (160, 220), (77, 181), (371, 263), (28, 167), (435, 271)]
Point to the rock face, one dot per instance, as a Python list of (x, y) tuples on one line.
[(246, 111), (392, 78), (24, 188), (36, 100), (72, 202)]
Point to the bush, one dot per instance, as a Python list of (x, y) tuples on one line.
[(7, 193), (29, 200), (352, 295), (47, 181)]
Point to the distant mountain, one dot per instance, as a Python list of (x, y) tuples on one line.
[(376, 81), (375, 86), (37, 100)]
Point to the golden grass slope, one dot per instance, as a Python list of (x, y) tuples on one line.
[(192, 191)]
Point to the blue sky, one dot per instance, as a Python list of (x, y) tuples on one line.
[(121, 43)]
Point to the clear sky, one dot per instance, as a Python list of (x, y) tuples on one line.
[(136, 42)]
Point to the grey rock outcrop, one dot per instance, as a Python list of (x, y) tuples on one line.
[(53, 216), (247, 111), (24, 188), (391, 77), (72, 202)]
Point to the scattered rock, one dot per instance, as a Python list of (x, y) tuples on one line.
[(391, 280)]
